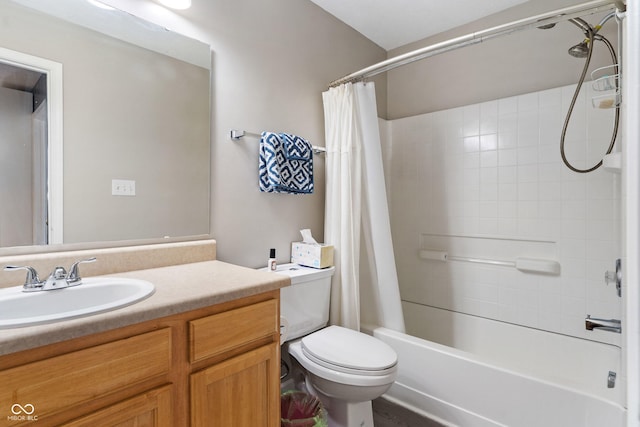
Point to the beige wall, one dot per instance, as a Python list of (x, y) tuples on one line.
[(523, 62), (271, 62)]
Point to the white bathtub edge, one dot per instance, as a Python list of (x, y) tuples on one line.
[(434, 408), (437, 408)]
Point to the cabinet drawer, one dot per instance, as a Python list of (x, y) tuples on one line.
[(218, 333), (151, 409), (61, 382)]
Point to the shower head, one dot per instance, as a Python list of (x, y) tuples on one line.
[(581, 50)]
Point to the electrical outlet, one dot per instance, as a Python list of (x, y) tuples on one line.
[(123, 187)]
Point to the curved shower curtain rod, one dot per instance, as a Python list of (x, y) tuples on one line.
[(548, 18)]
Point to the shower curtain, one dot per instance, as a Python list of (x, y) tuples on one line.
[(343, 202), (356, 201)]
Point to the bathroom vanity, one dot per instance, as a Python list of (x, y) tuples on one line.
[(203, 350)]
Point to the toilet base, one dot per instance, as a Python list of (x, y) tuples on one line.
[(351, 415), (342, 413)]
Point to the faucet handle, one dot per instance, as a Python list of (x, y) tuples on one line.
[(74, 275), (32, 280)]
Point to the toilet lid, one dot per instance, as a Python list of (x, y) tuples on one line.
[(348, 350)]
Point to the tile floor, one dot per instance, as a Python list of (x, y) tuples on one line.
[(388, 414)]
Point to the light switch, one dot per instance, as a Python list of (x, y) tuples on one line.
[(123, 187)]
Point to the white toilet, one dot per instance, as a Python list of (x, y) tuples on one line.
[(346, 369)]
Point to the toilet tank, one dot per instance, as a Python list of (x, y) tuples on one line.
[(304, 306)]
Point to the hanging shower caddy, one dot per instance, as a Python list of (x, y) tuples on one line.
[(606, 80)]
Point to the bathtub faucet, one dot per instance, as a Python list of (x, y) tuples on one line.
[(611, 325)]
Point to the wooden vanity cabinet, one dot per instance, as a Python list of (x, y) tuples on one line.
[(216, 366), (238, 391)]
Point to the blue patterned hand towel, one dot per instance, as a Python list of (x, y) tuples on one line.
[(286, 164)]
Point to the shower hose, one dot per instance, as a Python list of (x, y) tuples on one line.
[(591, 36)]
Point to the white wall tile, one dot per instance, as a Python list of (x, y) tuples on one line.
[(574, 190), (528, 173), (508, 191), (493, 171), (548, 171), (507, 209), (550, 99), (488, 191), (489, 109), (508, 157), (471, 160), (549, 229), (528, 191), (471, 143), (507, 105), (527, 155), (574, 209), (489, 142), (488, 209), (508, 227), (489, 159), (528, 228), (573, 248), (528, 102), (550, 209), (550, 191), (507, 139), (573, 306), (599, 229), (574, 228), (471, 120)]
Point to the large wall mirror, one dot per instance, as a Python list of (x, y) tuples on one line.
[(128, 156)]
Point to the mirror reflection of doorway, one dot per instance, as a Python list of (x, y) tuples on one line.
[(23, 156)]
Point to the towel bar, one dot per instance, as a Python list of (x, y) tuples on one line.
[(236, 134)]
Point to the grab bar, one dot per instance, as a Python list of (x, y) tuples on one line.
[(534, 265)]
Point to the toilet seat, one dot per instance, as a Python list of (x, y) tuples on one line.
[(361, 379), (349, 351), (344, 359)]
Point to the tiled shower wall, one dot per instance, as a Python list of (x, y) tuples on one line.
[(487, 181)]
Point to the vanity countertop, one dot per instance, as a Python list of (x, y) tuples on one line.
[(178, 288)]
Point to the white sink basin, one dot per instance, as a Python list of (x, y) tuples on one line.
[(94, 295)]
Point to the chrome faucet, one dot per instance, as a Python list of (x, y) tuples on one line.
[(611, 325), (58, 279)]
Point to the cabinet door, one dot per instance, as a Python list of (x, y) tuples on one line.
[(151, 409), (241, 392)]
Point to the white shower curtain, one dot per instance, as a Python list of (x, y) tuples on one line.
[(343, 202), (356, 199)]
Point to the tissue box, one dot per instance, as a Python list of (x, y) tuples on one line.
[(312, 255)]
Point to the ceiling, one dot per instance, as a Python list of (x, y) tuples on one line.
[(392, 24)]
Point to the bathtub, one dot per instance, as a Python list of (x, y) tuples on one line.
[(500, 374)]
